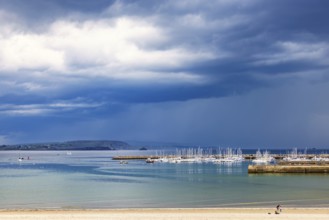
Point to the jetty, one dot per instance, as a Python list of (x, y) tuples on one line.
[(134, 157), (303, 168)]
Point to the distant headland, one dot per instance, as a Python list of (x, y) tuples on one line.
[(71, 145)]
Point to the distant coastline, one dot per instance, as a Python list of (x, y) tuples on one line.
[(70, 145)]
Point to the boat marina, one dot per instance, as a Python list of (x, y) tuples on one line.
[(260, 162)]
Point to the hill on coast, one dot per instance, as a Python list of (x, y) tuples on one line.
[(71, 145)]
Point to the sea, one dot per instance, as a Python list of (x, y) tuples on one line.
[(92, 180)]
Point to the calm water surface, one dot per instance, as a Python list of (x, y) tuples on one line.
[(91, 179)]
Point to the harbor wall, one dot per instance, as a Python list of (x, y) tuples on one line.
[(321, 168), (134, 157)]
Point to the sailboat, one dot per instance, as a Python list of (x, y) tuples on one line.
[(264, 158)]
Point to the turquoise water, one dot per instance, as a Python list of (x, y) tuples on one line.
[(93, 180)]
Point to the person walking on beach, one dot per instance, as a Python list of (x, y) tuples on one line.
[(278, 209)]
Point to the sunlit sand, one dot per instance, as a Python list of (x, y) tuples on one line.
[(172, 214)]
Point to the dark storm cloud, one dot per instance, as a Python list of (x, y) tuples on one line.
[(251, 40), (256, 47), (245, 32), (67, 65)]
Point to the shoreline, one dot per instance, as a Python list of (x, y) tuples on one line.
[(166, 213)]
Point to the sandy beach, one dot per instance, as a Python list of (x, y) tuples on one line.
[(164, 214)]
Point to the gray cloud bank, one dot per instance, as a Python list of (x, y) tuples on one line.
[(251, 73)]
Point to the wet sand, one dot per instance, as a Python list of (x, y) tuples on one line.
[(172, 214)]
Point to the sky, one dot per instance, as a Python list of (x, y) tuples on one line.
[(249, 73)]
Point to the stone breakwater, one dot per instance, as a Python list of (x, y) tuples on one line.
[(134, 157), (290, 168)]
